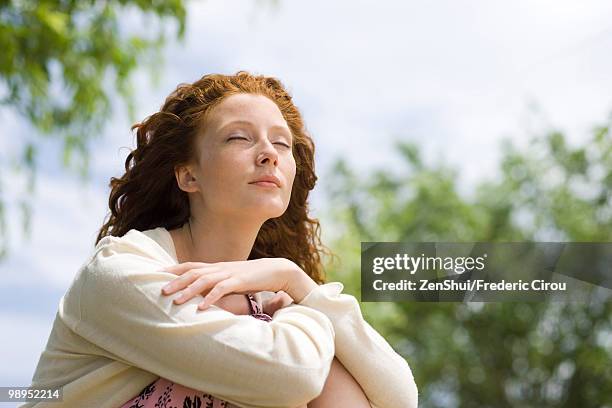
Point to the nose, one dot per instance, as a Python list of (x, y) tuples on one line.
[(267, 155)]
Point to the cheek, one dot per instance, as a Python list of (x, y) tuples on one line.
[(290, 170), (290, 173), (221, 172)]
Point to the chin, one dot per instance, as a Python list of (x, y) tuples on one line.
[(274, 214), (264, 207), (269, 212)]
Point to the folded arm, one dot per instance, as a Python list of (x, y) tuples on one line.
[(116, 303), (383, 374)]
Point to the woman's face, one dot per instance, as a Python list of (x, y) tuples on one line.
[(244, 140)]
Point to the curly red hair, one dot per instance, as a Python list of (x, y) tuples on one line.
[(147, 195)]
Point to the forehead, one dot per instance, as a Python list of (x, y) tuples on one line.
[(258, 109)]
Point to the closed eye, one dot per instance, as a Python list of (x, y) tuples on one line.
[(244, 138)]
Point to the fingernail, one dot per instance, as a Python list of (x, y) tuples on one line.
[(167, 287), (179, 297)]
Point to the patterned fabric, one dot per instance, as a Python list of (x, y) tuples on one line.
[(163, 393)]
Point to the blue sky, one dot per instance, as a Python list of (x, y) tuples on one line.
[(454, 77)]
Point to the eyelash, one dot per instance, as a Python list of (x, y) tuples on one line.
[(244, 138)]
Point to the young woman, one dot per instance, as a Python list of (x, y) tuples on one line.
[(216, 194)]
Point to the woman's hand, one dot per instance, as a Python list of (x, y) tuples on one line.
[(236, 304), (278, 301), (215, 280)]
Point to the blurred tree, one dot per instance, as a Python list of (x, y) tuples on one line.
[(547, 354), (60, 62)]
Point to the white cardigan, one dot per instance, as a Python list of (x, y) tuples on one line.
[(115, 333)]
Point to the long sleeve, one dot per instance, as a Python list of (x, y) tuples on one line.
[(115, 302), (383, 374)]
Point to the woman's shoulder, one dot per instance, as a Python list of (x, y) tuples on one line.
[(132, 259), (135, 253), (152, 243)]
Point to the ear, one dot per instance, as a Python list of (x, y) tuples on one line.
[(186, 179)]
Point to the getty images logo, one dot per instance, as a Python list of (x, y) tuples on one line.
[(412, 264)]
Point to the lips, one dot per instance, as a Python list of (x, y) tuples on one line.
[(267, 180)]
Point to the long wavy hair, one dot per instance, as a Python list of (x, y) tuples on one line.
[(147, 196)]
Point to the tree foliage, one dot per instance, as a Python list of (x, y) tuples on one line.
[(547, 354), (61, 62)]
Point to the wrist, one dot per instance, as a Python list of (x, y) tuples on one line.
[(299, 284)]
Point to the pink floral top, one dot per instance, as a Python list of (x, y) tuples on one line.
[(163, 393)]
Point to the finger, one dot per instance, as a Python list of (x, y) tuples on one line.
[(282, 297), (221, 289), (186, 278), (180, 282), (280, 300), (181, 268), (199, 286), (287, 299), (205, 283)]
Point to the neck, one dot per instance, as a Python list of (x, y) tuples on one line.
[(214, 238)]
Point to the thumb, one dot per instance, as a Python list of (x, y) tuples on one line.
[(278, 301)]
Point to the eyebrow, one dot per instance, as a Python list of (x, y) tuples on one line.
[(250, 124)]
